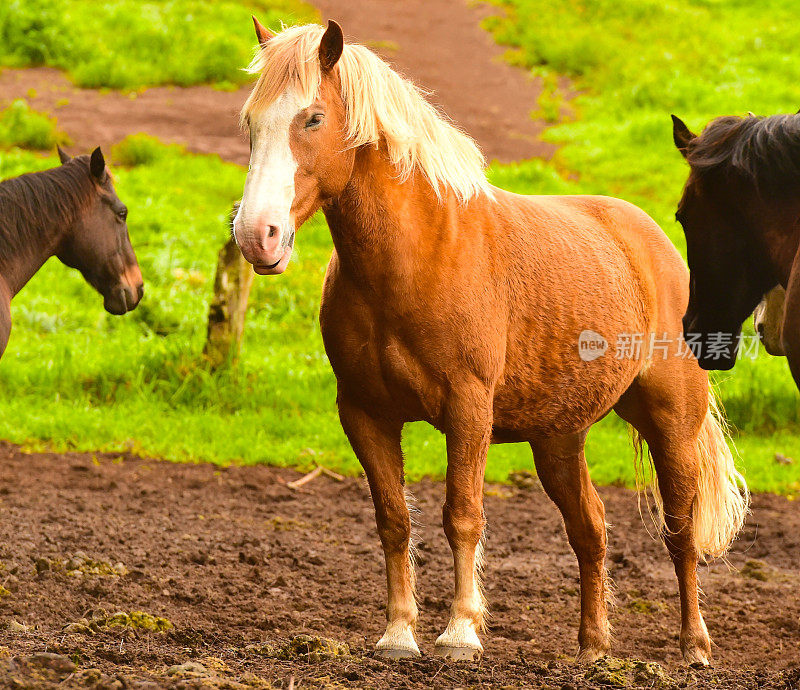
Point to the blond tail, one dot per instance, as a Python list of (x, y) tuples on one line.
[(722, 502)]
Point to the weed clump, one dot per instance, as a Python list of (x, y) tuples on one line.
[(135, 620), (312, 649), (26, 128), (140, 149), (79, 565)]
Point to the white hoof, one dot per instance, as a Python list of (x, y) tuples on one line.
[(460, 642), (397, 642)]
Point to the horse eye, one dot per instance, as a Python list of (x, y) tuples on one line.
[(123, 214), (315, 120)]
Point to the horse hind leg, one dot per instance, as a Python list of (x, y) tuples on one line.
[(699, 507), (561, 466)]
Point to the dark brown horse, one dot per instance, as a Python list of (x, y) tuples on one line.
[(740, 211), (450, 301), (71, 212)]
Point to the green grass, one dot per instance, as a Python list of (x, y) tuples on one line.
[(76, 377), (29, 129), (128, 44)]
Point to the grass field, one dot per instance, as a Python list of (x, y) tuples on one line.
[(76, 377), (179, 42)]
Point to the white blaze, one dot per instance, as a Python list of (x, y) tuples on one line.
[(269, 188)]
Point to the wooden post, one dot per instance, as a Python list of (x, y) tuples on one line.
[(226, 313)]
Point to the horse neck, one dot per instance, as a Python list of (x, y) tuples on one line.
[(21, 259), (381, 225), (778, 225), (23, 251)]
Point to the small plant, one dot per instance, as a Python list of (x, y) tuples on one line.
[(26, 128), (138, 149)]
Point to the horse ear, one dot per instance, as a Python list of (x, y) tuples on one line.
[(263, 34), (681, 135), (63, 156), (331, 46), (97, 164)]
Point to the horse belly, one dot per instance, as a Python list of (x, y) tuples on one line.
[(550, 384), (539, 402)]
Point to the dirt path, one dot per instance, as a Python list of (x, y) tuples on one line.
[(240, 564), (438, 43)]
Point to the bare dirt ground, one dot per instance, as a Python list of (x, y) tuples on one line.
[(242, 567), (437, 43), (117, 572)]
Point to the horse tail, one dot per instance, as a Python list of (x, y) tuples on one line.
[(722, 501)]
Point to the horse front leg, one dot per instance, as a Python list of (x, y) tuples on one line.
[(376, 443), (468, 431)]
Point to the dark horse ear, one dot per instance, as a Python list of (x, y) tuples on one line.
[(331, 46), (63, 156), (263, 34), (97, 164), (681, 135)]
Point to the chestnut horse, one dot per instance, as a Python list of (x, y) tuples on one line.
[(72, 212), (740, 211), (450, 301)]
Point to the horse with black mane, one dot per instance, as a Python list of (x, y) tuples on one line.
[(71, 212), (454, 302), (740, 211)]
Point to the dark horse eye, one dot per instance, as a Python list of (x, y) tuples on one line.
[(123, 214), (314, 121)]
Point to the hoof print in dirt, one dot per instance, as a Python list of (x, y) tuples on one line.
[(625, 673), (312, 649)]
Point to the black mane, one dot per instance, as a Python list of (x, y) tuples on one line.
[(763, 150), (36, 205)]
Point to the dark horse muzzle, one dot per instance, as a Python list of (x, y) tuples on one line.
[(125, 295), (714, 348)]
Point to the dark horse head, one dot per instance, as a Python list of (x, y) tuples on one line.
[(740, 166), (97, 243)]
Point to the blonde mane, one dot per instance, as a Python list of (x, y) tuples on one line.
[(380, 105)]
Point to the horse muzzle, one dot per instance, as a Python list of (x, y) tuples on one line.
[(123, 298), (270, 263), (715, 349)]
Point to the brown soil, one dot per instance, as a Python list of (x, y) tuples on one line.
[(240, 564), (438, 44), (201, 118)]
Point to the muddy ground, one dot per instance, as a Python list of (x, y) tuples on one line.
[(123, 572)]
